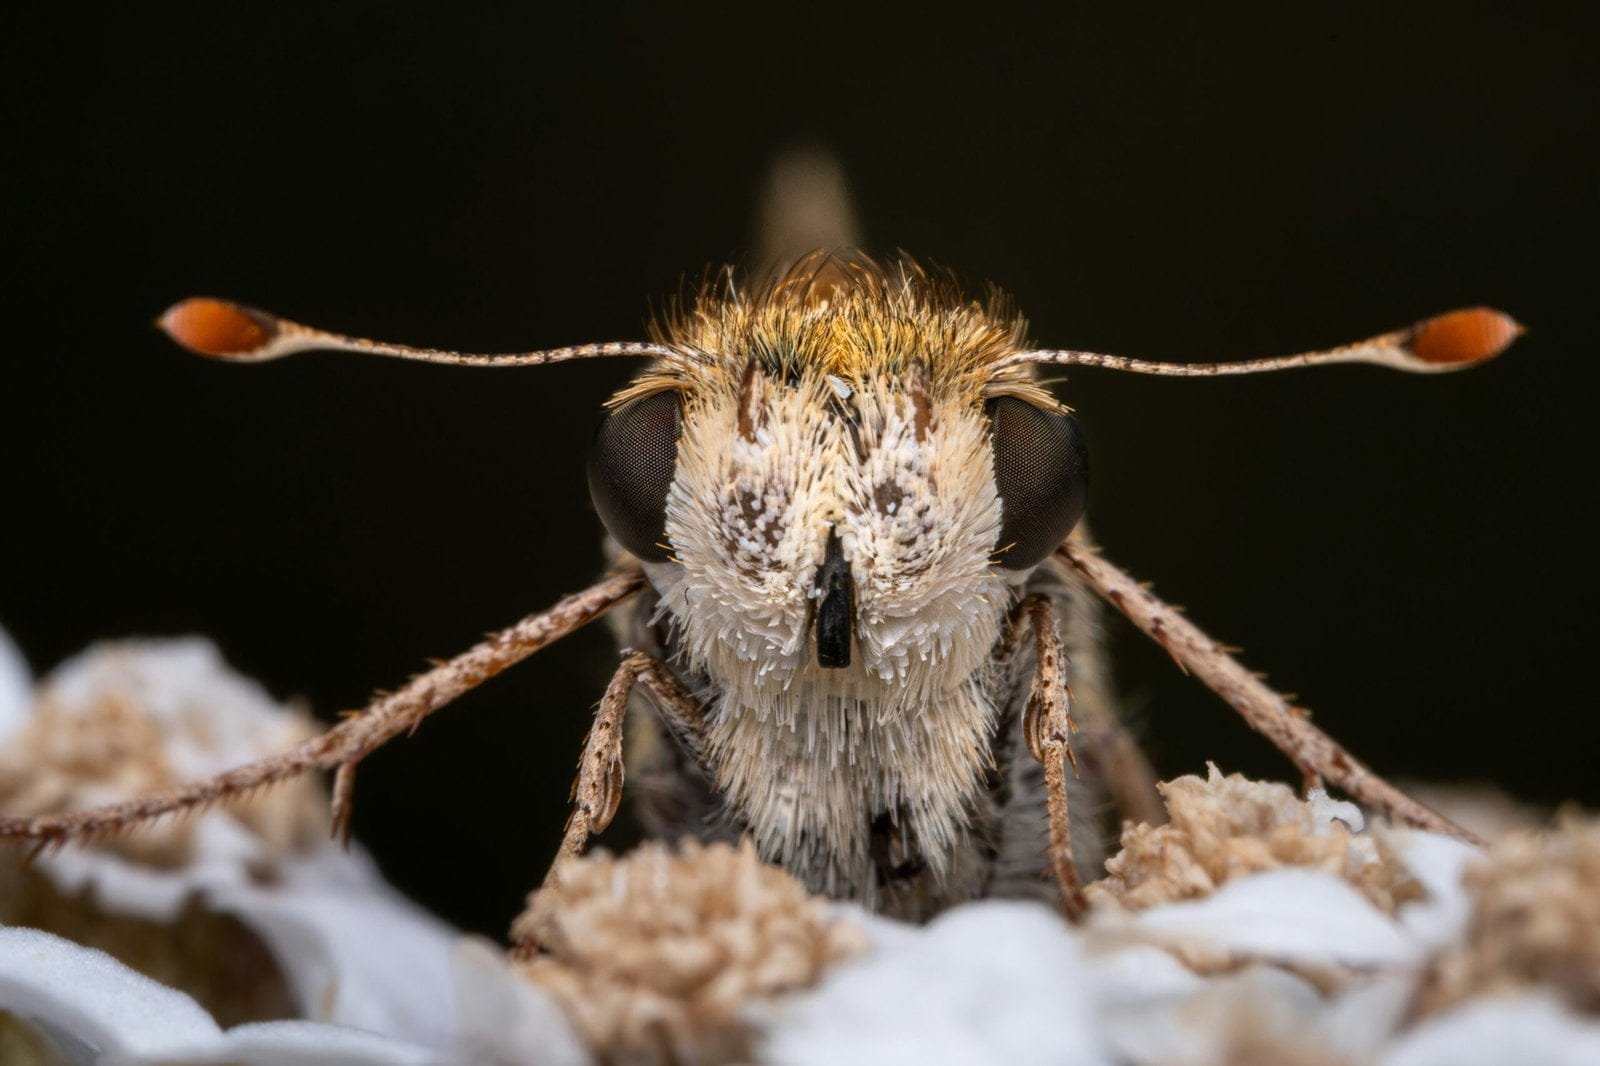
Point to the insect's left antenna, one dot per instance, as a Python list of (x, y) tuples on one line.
[(225, 330)]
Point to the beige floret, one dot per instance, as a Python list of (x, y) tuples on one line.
[(662, 953), (126, 720), (1226, 827), (1535, 920)]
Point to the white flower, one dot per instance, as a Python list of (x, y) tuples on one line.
[(345, 948), (1252, 927), (91, 1010), (1317, 955)]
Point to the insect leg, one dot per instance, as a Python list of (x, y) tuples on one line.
[(1047, 726), (597, 791), (1103, 740), (347, 743), (1316, 754)]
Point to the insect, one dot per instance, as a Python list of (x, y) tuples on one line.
[(858, 616)]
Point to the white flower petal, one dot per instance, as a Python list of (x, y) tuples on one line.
[(1289, 913), (987, 982), (300, 1044), (1271, 1010), (1143, 996), (1360, 1020), (1139, 974), (1494, 1032), (86, 1000), (354, 952), (883, 934), (1437, 862), (1271, 1004), (98, 1012), (366, 958), (16, 687), (505, 1020)]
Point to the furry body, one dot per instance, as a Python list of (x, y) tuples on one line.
[(848, 400)]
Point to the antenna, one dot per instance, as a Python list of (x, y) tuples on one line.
[(233, 332), (1451, 341)]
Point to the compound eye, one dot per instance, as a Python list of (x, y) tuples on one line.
[(631, 463), (1041, 469)]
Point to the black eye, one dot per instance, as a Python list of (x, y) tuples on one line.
[(631, 461), (1042, 471)]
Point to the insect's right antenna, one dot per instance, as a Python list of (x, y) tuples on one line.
[(1451, 341), (225, 330)]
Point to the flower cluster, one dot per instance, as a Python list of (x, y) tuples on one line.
[(1252, 926), (238, 935)]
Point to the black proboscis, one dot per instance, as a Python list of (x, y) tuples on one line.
[(836, 608)]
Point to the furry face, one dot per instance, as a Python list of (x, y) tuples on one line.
[(905, 483), (841, 410)]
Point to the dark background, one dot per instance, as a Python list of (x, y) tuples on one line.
[(1408, 554)]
